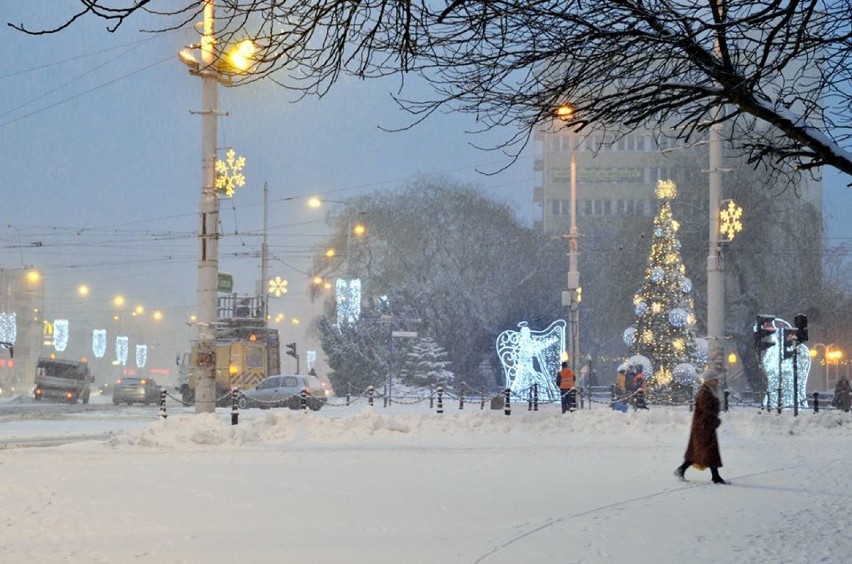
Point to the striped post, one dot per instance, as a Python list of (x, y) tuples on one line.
[(816, 402), (235, 408), (507, 406), (440, 399), (535, 396), (303, 401), (370, 392), (163, 403), (461, 397)]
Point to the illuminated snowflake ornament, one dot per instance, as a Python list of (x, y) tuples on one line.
[(532, 357), (277, 286), (730, 220), (229, 174)]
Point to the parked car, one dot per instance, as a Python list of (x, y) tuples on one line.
[(132, 390), (284, 390)]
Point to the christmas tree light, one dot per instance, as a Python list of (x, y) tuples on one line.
[(663, 330)]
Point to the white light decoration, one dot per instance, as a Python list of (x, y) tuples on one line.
[(310, 358), (141, 355), (60, 334), (99, 340), (277, 286), (641, 308), (677, 317), (629, 336), (781, 369), (532, 357), (8, 327), (348, 295), (657, 274), (685, 285), (122, 343), (229, 174)]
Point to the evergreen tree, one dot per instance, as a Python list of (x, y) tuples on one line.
[(427, 365), (664, 324)]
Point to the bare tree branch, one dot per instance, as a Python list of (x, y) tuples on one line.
[(780, 68)]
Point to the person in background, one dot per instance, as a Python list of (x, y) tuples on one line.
[(565, 383), (702, 451), (621, 381), (640, 387), (842, 394)]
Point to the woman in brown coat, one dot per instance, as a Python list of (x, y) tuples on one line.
[(703, 448)]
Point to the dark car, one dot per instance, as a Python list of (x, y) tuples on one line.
[(132, 390), (285, 390)]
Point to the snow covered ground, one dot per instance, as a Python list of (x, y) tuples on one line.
[(404, 484)]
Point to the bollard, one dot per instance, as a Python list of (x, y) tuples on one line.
[(431, 397), (727, 395), (816, 402), (385, 398), (303, 401), (235, 408), (507, 407), (535, 397), (163, 403), (370, 392), (482, 400), (348, 393), (440, 399), (461, 398), (529, 398)]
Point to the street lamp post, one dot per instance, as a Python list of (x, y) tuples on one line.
[(828, 354), (570, 297)]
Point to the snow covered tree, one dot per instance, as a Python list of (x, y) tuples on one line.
[(664, 313), (427, 365)]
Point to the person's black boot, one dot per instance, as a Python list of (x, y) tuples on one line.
[(717, 479), (678, 473)]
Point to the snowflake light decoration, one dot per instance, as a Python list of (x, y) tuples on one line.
[(277, 286), (121, 346), (8, 327), (141, 355), (730, 220), (60, 334), (229, 174)]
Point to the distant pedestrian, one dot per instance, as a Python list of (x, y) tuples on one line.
[(703, 448), (565, 383), (640, 387), (842, 394)]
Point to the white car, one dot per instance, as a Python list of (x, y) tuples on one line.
[(284, 390)]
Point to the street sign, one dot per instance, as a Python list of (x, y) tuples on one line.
[(408, 334), (226, 283)]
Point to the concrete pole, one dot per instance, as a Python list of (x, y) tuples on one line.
[(208, 235), (573, 274), (264, 257), (715, 260)]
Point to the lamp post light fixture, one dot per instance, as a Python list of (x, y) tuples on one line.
[(571, 297)]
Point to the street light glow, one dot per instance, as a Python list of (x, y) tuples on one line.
[(241, 55)]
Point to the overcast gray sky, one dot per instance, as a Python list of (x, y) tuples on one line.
[(100, 174)]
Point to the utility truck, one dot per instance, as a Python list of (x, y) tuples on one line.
[(63, 380)]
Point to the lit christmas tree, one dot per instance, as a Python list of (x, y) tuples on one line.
[(664, 328)]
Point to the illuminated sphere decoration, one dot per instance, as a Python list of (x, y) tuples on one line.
[(641, 308), (677, 317), (629, 336), (657, 274)]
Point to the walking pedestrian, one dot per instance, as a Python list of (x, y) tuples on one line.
[(703, 448)]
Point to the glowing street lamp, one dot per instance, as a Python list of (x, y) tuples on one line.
[(212, 69), (571, 297)]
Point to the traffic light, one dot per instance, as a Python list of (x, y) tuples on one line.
[(801, 323), (763, 332), (291, 350)]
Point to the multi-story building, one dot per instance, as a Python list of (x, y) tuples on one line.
[(21, 304)]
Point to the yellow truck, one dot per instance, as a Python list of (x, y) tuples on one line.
[(246, 352)]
